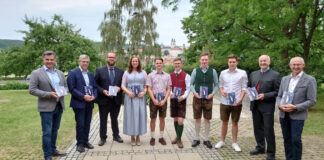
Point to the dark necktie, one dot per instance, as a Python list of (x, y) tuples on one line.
[(177, 74), (111, 76), (258, 85)]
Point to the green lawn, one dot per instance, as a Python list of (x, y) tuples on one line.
[(314, 125), (20, 126)]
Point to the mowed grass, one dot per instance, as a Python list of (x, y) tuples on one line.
[(314, 125), (20, 126)]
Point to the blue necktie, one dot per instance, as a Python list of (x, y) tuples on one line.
[(111, 76)]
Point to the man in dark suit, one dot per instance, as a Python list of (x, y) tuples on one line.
[(109, 75), (267, 83), (83, 89), (293, 115), (43, 82)]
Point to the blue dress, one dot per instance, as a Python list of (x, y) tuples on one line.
[(134, 108)]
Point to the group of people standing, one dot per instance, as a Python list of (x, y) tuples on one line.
[(87, 89)]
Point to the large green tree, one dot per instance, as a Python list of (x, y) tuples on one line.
[(129, 25), (58, 36), (281, 28)]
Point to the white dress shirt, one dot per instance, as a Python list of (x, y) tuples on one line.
[(293, 82), (187, 81), (235, 81)]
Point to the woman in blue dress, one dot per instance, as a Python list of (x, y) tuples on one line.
[(133, 84)]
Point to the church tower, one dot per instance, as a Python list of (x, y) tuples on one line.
[(173, 43)]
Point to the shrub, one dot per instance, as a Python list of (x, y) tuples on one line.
[(14, 85)]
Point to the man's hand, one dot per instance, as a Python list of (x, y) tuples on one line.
[(87, 98), (162, 103), (105, 92), (54, 95), (196, 95), (224, 94), (260, 96), (238, 102), (155, 102), (210, 96), (288, 108), (118, 89), (141, 94), (180, 99)]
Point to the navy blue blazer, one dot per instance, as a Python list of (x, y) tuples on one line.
[(76, 84), (103, 83)]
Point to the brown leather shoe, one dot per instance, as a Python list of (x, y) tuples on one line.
[(179, 143), (174, 141), (152, 141), (162, 141)]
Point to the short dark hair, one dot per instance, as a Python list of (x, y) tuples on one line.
[(232, 56), (204, 54), (158, 58), (47, 53), (177, 59)]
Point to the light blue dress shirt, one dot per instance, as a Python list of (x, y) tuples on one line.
[(85, 76)]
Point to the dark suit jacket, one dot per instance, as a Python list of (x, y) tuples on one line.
[(103, 83), (269, 86), (76, 84)]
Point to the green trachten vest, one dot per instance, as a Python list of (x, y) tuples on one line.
[(204, 79)]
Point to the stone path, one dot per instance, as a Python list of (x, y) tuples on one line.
[(124, 151)]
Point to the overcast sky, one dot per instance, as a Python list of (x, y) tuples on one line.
[(85, 15)]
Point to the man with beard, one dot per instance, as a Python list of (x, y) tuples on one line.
[(109, 76)]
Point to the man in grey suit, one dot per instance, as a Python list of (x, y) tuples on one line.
[(292, 115), (43, 82), (267, 82)]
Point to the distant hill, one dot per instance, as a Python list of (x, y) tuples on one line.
[(5, 43)]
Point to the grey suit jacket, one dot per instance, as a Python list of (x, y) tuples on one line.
[(40, 85), (304, 96)]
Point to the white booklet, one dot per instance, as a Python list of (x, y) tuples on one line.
[(60, 91), (287, 98), (253, 93), (112, 91)]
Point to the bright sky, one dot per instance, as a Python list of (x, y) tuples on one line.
[(85, 15)]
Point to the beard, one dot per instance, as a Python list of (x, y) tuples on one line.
[(111, 63)]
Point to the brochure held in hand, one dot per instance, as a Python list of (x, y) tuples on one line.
[(88, 90), (231, 100), (176, 92), (112, 91), (159, 96), (60, 91), (253, 93), (203, 92), (136, 89), (287, 98)]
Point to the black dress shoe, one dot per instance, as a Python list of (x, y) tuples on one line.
[(270, 156), (80, 148), (257, 151), (57, 153), (207, 144), (195, 143), (118, 139), (101, 142), (48, 158), (88, 145)]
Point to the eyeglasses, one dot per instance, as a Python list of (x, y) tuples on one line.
[(112, 57), (296, 65)]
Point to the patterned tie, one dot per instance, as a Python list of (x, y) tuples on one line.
[(111, 76)]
